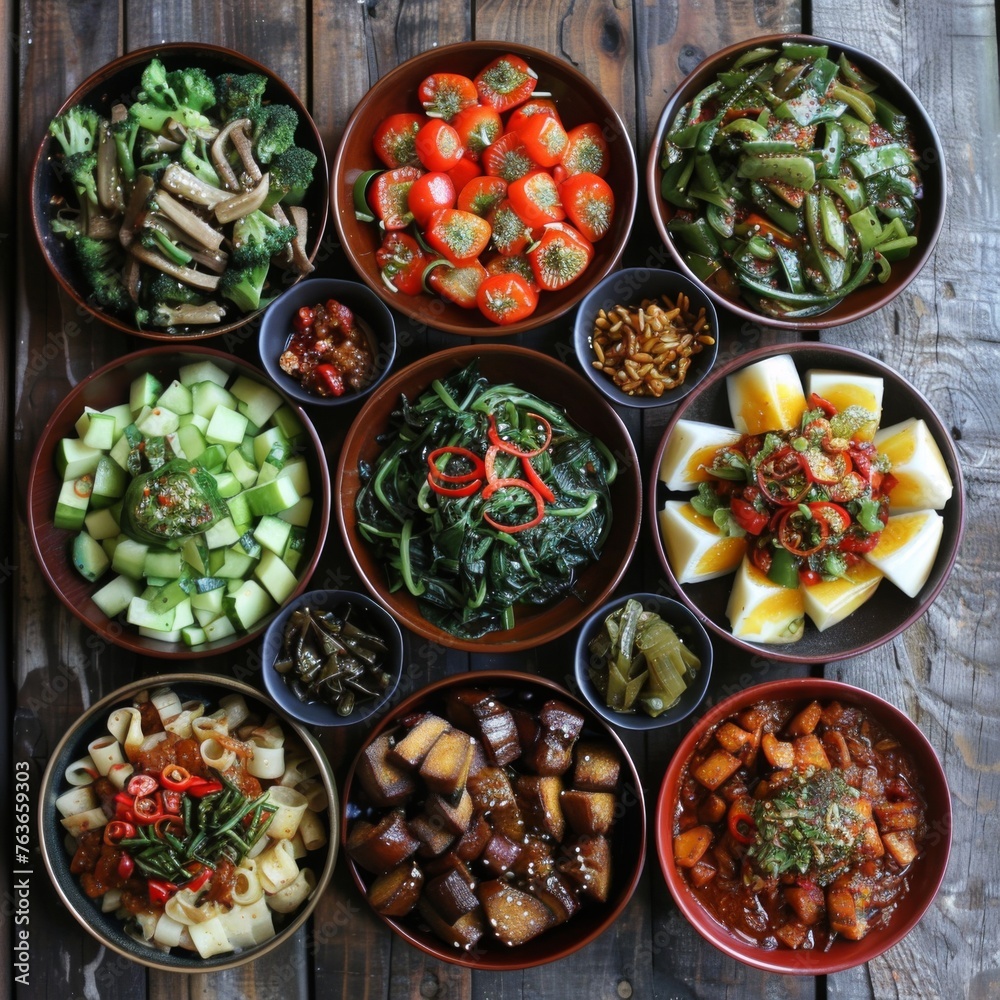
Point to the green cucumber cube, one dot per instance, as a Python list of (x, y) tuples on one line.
[(123, 417), (194, 420), (292, 558), (244, 471), (176, 397), (89, 558), (75, 459), (265, 441), (239, 511), (120, 451), (267, 473), (110, 483), (116, 595), (226, 427), (210, 600), (272, 533), (203, 616), (143, 391), (158, 422), (219, 628), (222, 534), (174, 635), (202, 371), (248, 605), (165, 564), (101, 524), (272, 497), (100, 432), (168, 596), (71, 507), (227, 484), (130, 558), (279, 581), (257, 402), (248, 545), (212, 458), (299, 513), (236, 565), (195, 553), (141, 614), (206, 397), (288, 422), (192, 635), (297, 469), (82, 424), (191, 441)]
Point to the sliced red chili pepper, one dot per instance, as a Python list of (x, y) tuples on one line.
[(512, 449), (477, 470), (747, 516), (171, 800), (760, 556), (838, 520), (141, 785), (125, 866), (783, 477), (198, 882), (492, 487), (117, 830), (536, 480), (741, 823), (817, 402), (800, 534), (159, 890), (205, 788), (175, 777), (453, 491), (147, 810), (852, 486), (84, 486), (826, 467)]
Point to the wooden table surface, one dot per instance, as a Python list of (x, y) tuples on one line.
[(942, 333)]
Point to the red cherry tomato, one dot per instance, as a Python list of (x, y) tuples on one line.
[(506, 298), (402, 261), (395, 139), (508, 158), (444, 95), (458, 236), (586, 151), (438, 145), (481, 194), (536, 106), (589, 203), (389, 196), (506, 82), (457, 284), (535, 198), (544, 138), (428, 193), (561, 255), (478, 126)]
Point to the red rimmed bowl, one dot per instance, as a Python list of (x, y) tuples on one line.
[(627, 834), (930, 157), (923, 876), (118, 81), (551, 381), (578, 101), (889, 611), (107, 387)]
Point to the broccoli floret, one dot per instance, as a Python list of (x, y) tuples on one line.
[(291, 173), (194, 157), (243, 285), (238, 93), (76, 129), (124, 132), (273, 130), (101, 262), (163, 289), (194, 88), (257, 238), (159, 100), (80, 168)]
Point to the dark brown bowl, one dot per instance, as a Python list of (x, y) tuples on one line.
[(108, 930), (119, 80), (889, 611), (930, 154), (107, 387), (578, 101), (926, 872), (628, 835), (552, 381)]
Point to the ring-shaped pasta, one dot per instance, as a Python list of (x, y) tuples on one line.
[(312, 830), (182, 724), (210, 938), (266, 762), (81, 772), (289, 804), (166, 701), (292, 896), (76, 800), (276, 866), (246, 883), (236, 710), (105, 751)]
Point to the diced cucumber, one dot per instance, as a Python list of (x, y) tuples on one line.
[(101, 524), (227, 484), (195, 553), (207, 396), (273, 533), (276, 577), (176, 397), (267, 473), (192, 635), (123, 417), (89, 558), (291, 558), (110, 483), (158, 422), (244, 471), (110, 544), (226, 427), (219, 628), (257, 402), (202, 371), (209, 600), (265, 441), (100, 432), (193, 420), (239, 511), (287, 421), (235, 565), (203, 616), (272, 497), (299, 513), (114, 597), (296, 468), (82, 424), (120, 451), (167, 564), (72, 504), (141, 614), (130, 558), (143, 391), (212, 458), (222, 534), (174, 635), (169, 596), (75, 459), (191, 441), (248, 605), (248, 545)]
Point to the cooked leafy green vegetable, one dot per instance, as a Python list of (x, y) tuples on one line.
[(466, 573)]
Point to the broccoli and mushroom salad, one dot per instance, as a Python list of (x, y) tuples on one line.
[(183, 199)]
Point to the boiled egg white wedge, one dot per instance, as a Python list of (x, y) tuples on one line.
[(766, 396), (844, 389), (696, 549), (831, 601), (907, 549), (690, 450), (922, 477), (762, 611)]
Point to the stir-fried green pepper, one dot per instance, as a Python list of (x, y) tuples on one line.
[(802, 140)]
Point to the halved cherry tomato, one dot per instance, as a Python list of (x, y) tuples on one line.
[(456, 284), (536, 106), (438, 145), (561, 255), (747, 516), (858, 541), (508, 158), (506, 82), (478, 126), (481, 194), (428, 193), (458, 236), (506, 298), (809, 577), (801, 534), (589, 203), (444, 95), (389, 196), (535, 198), (511, 234), (852, 486), (544, 138), (402, 261), (395, 139), (760, 555), (586, 150), (463, 172)]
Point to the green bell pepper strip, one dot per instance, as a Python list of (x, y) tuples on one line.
[(892, 156), (856, 131), (822, 74), (696, 236), (674, 183), (753, 130), (867, 226), (834, 231), (860, 103), (792, 267), (796, 170), (784, 569), (848, 190), (889, 116), (780, 213), (800, 50), (853, 76), (754, 56), (897, 249), (362, 210), (702, 267), (721, 220), (807, 300), (768, 147), (832, 150)]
